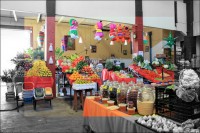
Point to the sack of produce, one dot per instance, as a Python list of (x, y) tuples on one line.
[(189, 88)]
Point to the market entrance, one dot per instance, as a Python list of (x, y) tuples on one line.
[(13, 41)]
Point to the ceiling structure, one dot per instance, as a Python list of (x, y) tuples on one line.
[(16, 15)]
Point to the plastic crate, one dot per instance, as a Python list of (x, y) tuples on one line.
[(28, 100), (169, 105)]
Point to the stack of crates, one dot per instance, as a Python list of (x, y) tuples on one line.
[(28, 91), (171, 106)]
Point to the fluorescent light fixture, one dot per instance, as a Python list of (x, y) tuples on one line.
[(125, 43), (15, 16), (61, 19), (80, 40), (39, 17), (111, 43)]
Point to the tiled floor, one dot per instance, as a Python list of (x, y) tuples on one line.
[(59, 118)]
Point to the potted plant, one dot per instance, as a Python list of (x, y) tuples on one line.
[(7, 77)]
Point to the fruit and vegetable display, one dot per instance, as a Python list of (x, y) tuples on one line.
[(75, 59), (75, 76), (39, 69), (162, 124), (22, 60), (154, 76), (82, 81), (94, 76), (123, 75), (87, 70), (189, 86), (80, 65)]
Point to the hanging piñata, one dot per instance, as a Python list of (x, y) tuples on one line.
[(127, 34), (112, 33), (99, 33), (120, 34), (73, 28)]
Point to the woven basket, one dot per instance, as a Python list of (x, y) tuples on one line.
[(145, 108)]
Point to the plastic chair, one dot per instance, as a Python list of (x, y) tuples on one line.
[(38, 95), (48, 94), (19, 90)]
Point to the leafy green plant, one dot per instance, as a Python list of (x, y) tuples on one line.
[(38, 53), (80, 65), (117, 68), (109, 65), (58, 53), (138, 58), (7, 75), (29, 51)]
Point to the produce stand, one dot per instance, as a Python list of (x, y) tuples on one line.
[(111, 76), (99, 118), (151, 75), (98, 81), (39, 81)]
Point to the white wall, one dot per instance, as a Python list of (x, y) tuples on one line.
[(159, 14), (158, 49), (25, 5), (196, 24), (117, 11), (181, 17)]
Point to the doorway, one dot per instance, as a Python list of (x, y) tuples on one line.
[(12, 42)]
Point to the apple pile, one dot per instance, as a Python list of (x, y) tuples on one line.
[(87, 70)]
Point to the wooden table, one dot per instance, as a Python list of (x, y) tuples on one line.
[(78, 89)]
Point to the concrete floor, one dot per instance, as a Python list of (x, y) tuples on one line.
[(59, 118)]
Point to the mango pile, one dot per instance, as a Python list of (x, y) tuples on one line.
[(76, 76), (39, 69)]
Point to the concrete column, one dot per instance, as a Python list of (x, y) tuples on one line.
[(50, 38), (138, 27)]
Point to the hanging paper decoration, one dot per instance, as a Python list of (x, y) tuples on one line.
[(64, 43), (145, 38), (73, 28), (120, 34), (170, 40), (41, 38), (112, 33), (41, 35), (127, 35), (99, 33)]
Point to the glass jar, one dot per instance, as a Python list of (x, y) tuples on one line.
[(113, 91), (121, 94), (145, 100), (104, 90), (132, 95)]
